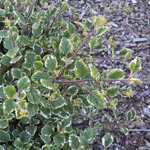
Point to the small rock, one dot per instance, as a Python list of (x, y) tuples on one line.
[(113, 24), (142, 148), (131, 126), (117, 42), (134, 1), (146, 111)]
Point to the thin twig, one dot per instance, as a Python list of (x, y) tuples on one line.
[(24, 26), (87, 80), (18, 11), (139, 130), (52, 23), (76, 52)]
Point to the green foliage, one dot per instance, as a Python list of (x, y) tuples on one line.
[(48, 80)]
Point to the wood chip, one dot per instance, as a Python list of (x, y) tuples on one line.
[(140, 40)]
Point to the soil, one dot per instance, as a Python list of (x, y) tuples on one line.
[(132, 32)]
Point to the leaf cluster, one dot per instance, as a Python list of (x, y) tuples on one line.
[(48, 80)]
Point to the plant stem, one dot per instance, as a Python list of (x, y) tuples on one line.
[(17, 10), (24, 26), (52, 23), (78, 81), (76, 52)]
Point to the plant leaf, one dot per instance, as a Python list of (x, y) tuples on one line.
[(23, 84), (65, 46), (116, 74), (81, 69), (59, 140), (4, 136), (9, 91), (74, 141), (112, 91), (51, 62), (96, 99), (107, 140), (24, 137)]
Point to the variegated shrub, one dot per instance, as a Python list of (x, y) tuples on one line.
[(49, 85)]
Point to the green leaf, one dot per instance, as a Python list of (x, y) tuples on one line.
[(89, 133), (8, 43), (96, 99), (124, 129), (93, 43), (8, 76), (58, 103), (80, 24), (31, 130), (130, 115), (24, 137), (64, 6), (54, 42), (37, 49), (88, 23), (107, 140), (5, 60), (9, 91), (135, 80), (16, 73), (38, 65), (32, 109), (101, 30), (65, 46), (128, 55), (33, 96), (116, 74), (70, 27), (19, 16), (116, 112), (2, 95), (4, 136), (2, 81), (46, 139), (74, 141), (47, 130), (46, 83), (37, 29), (15, 59), (18, 143), (72, 90), (3, 33), (59, 140), (135, 65), (99, 20), (51, 62), (25, 40), (1, 148), (83, 141), (3, 124), (112, 91), (8, 106), (23, 84), (81, 69), (123, 52), (30, 57), (67, 122), (37, 76), (94, 72)]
